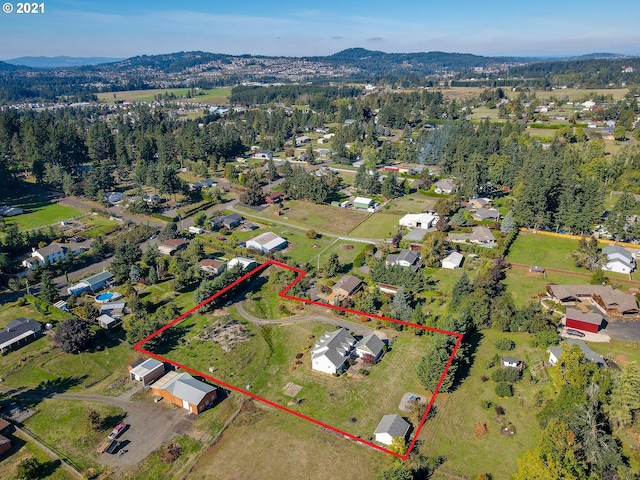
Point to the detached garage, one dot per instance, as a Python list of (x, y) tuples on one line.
[(585, 321)]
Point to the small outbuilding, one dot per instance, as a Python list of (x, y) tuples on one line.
[(267, 242), (183, 390), (452, 261), (105, 321), (390, 427), (362, 203), (146, 371)]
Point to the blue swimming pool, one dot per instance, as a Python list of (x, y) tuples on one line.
[(104, 297)]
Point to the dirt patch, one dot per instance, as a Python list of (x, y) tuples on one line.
[(408, 397), (226, 332), (622, 360), (291, 389)]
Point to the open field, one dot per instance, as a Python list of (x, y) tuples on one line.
[(269, 357), (40, 212), (378, 225), (578, 93), (65, 426), (267, 444), (414, 203), (451, 432), (323, 218), (545, 251), (214, 96)]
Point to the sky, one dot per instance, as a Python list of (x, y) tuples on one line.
[(126, 28)]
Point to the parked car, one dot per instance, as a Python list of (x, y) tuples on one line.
[(116, 431), (575, 333)]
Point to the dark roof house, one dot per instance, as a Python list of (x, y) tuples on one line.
[(19, 332)]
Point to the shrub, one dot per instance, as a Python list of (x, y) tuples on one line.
[(171, 453), (499, 410), (484, 378), (506, 375), (486, 404), (505, 344), (311, 234), (504, 389)]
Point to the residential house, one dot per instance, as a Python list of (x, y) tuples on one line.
[(323, 152), (263, 155), (50, 254), (217, 223), (581, 320), (619, 259), (556, 352), (183, 390), (445, 186), (372, 345), (146, 371), (363, 203), (303, 140), (212, 267), (452, 261), (231, 221), (18, 332), (10, 211), (476, 203), (486, 214), (195, 230), (92, 283), (267, 242), (419, 220), (390, 427), (115, 197), (274, 197), (478, 236), (172, 245), (406, 259), (332, 352), (608, 300), (245, 263), (347, 286)]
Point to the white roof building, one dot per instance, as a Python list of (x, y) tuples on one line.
[(619, 259), (267, 242), (246, 263), (419, 220), (452, 261)]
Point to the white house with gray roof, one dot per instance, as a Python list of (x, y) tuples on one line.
[(406, 259), (619, 259), (390, 427), (556, 352), (370, 345), (332, 352)]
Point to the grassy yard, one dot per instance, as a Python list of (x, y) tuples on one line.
[(216, 96), (545, 251), (25, 449), (378, 225), (267, 444), (98, 225), (451, 432), (64, 426), (414, 203), (323, 218), (40, 212)]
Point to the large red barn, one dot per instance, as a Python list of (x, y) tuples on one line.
[(585, 321)]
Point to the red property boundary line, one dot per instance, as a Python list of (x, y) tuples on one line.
[(283, 294)]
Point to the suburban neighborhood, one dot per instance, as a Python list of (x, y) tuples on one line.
[(357, 265)]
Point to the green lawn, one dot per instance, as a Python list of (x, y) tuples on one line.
[(378, 225), (323, 218), (545, 251), (217, 96), (451, 432), (39, 212), (414, 203), (25, 449), (64, 426), (99, 225)]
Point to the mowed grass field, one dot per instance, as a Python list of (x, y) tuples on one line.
[(322, 218), (40, 212), (214, 96), (378, 225)]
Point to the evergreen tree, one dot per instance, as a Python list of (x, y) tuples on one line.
[(508, 223), (333, 266), (48, 290)]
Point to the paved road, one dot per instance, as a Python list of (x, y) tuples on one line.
[(624, 330)]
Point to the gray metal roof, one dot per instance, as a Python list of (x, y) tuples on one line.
[(98, 278), (187, 388), (588, 353), (394, 425)]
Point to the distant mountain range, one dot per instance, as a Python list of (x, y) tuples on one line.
[(60, 61)]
